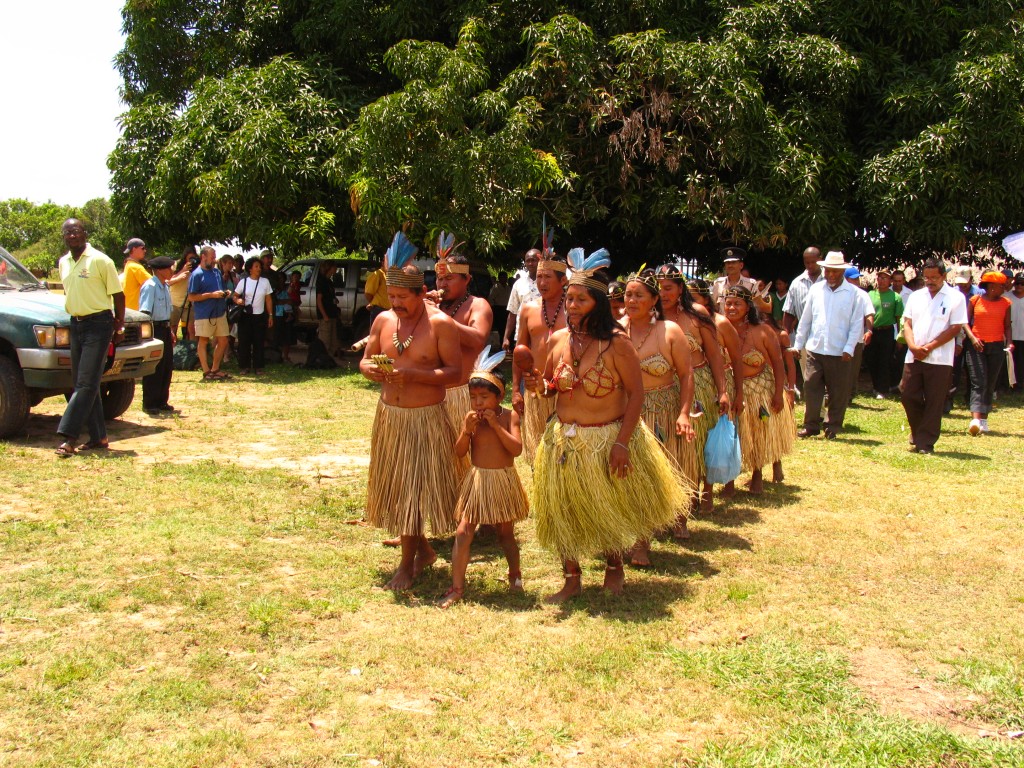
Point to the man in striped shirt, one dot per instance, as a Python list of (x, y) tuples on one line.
[(799, 288)]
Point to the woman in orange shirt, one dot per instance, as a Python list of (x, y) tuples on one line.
[(988, 338)]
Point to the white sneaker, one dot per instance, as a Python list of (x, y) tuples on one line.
[(975, 427), (984, 425)]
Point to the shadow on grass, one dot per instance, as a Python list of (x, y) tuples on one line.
[(858, 440), (704, 539), (962, 455), (648, 594), (41, 431)]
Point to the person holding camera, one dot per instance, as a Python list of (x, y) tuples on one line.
[(207, 293), (178, 286), (254, 295)]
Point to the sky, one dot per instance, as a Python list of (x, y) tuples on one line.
[(59, 96)]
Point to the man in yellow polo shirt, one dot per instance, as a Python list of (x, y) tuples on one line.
[(135, 275), (91, 288), (376, 291)]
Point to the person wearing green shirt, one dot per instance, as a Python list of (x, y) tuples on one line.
[(778, 298), (888, 312)]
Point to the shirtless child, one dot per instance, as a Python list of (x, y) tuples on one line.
[(414, 476), (491, 494), (537, 322)]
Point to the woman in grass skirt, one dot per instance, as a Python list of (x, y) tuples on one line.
[(601, 481)]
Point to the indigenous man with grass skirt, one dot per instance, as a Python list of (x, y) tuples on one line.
[(414, 477), (537, 321)]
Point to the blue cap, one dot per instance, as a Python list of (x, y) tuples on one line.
[(851, 272)]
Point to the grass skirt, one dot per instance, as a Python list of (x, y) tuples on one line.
[(764, 441), (581, 510), (536, 412), (414, 474), (491, 496), (704, 389), (457, 404), (660, 412)]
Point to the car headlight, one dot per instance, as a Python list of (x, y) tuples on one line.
[(46, 336), (145, 330), (63, 336)]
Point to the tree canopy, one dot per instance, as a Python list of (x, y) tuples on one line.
[(890, 129)]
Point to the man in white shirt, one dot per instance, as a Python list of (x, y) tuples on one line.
[(831, 325), (523, 290), (1016, 297), (932, 318)]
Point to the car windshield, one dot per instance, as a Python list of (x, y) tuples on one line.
[(13, 276)]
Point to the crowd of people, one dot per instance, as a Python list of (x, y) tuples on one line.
[(615, 386)]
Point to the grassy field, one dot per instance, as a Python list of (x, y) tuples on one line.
[(205, 595)]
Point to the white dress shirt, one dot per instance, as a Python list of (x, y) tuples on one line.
[(524, 289), (930, 316), (1016, 317), (833, 320)]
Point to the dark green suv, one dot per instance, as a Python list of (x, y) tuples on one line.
[(35, 354)]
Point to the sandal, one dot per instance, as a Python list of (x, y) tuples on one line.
[(65, 450), (95, 445)]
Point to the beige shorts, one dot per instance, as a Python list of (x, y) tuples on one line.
[(212, 329)]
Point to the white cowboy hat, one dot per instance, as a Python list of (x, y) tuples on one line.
[(834, 260)]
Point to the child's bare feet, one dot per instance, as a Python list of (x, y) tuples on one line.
[(451, 597), (679, 531), (614, 578), (573, 587), (777, 474)]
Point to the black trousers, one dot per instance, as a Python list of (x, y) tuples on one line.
[(878, 357), (252, 334), (156, 388), (923, 393)]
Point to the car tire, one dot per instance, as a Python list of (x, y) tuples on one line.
[(13, 398), (117, 397)]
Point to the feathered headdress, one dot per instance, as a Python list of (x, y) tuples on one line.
[(485, 363), (547, 250), (583, 269), (445, 245), (650, 279), (397, 256)]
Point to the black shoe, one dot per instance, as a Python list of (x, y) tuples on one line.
[(926, 450), (154, 412), (805, 432), (830, 434), (167, 408)]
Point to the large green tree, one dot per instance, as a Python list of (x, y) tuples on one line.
[(889, 128)]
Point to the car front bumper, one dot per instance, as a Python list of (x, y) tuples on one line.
[(50, 369)]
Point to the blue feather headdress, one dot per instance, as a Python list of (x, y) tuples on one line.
[(583, 269), (485, 364), (547, 250), (398, 256)]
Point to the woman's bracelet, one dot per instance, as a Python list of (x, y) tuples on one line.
[(622, 445)]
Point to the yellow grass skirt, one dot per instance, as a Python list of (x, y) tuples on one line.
[(491, 496), (764, 441), (706, 392), (414, 475), (457, 404), (581, 510), (536, 412), (660, 412)]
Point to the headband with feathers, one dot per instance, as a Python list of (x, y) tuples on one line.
[(485, 364), (547, 250), (583, 269), (445, 245), (398, 256), (650, 279)]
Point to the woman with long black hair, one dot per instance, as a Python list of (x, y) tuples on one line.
[(601, 481)]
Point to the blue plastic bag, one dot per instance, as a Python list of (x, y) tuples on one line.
[(722, 452)]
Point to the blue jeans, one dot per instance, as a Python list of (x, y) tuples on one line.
[(90, 338)]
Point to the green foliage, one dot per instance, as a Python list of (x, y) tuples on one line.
[(652, 128), (32, 231)]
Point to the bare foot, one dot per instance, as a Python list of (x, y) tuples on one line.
[(573, 587), (707, 502), (515, 582), (729, 490), (424, 559), (401, 581), (756, 484), (451, 597), (395, 542), (777, 475), (640, 556), (614, 579), (680, 532)]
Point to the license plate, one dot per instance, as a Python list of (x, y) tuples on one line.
[(115, 368)]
